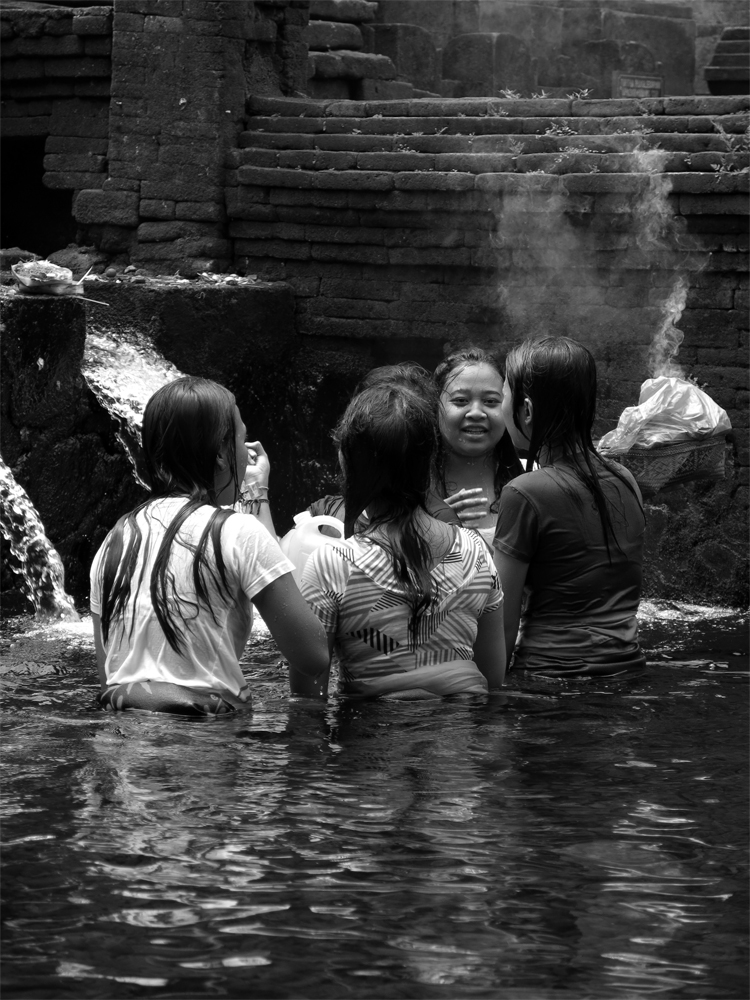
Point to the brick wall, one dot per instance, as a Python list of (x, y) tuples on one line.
[(56, 70), (429, 219), (408, 227), (180, 73)]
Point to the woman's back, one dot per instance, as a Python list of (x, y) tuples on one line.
[(582, 591), (217, 629), (548, 519), (354, 591)]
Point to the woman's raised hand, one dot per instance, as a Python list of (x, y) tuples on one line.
[(258, 468), (469, 505)]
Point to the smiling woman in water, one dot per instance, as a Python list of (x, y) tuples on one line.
[(475, 455)]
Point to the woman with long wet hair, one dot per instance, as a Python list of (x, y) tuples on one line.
[(569, 539), (412, 605), (174, 583), (475, 457)]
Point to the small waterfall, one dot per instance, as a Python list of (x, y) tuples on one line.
[(40, 563), (123, 372)]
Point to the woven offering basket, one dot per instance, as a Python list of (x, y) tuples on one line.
[(669, 464)]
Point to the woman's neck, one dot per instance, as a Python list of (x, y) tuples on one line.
[(556, 455), (464, 471)]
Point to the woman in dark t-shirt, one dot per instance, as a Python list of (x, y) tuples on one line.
[(569, 538)]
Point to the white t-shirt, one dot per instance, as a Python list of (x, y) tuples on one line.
[(210, 657)]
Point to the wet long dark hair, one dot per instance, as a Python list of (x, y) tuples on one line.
[(505, 460), (386, 440), (558, 376), (186, 425)]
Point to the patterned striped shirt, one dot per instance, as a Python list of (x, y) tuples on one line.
[(352, 588)]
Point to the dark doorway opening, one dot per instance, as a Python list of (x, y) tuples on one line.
[(32, 217)]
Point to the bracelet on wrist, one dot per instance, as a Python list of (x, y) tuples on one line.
[(250, 493), (251, 504)]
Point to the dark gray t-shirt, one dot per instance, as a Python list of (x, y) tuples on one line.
[(581, 600)]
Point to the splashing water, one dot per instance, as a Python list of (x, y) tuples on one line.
[(667, 339), (123, 372), (40, 564)]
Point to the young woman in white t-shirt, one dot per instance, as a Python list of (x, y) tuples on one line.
[(173, 585)]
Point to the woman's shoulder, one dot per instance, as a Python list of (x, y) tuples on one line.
[(332, 505), (469, 542), (528, 483)]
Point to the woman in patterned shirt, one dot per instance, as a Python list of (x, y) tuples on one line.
[(412, 605)]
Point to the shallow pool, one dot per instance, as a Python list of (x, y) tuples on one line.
[(585, 841)]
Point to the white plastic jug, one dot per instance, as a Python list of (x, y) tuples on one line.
[(306, 536)]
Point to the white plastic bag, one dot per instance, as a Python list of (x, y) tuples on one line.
[(669, 410)]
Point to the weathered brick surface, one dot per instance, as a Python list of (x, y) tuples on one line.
[(394, 235), (403, 221), (102, 207)]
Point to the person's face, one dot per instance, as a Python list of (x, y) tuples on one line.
[(517, 435), (471, 420)]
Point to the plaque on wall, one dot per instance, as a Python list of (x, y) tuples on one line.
[(637, 85)]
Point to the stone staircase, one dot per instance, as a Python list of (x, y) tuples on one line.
[(729, 70), (342, 63)]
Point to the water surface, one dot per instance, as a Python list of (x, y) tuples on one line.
[(576, 841)]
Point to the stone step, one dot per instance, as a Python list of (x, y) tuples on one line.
[(737, 59), (729, 182), (727, 46), (517, 144), (349, 65), (498, 108), (354, 11), (466, 126), (565, 162), (325, 35)]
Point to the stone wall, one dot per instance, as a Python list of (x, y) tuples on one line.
[(58, 441), (56, 70), (424, 224), (62, 446), (180, 73), (484, 47), (136, 106)]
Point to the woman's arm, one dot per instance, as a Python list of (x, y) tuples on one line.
[(303, 686), (512, 574), (254, 488), (299, 635), (489, 648), (101, 655)]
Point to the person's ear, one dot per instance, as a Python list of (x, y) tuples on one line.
[(527, 413), (222, 461)]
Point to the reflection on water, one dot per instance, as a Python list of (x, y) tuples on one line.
[(585, 841)]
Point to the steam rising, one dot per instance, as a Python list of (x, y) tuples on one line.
[(667, 339), (598, 267)]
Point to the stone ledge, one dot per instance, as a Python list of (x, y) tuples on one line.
[(349, 65), (472, 107), (353, 11)]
